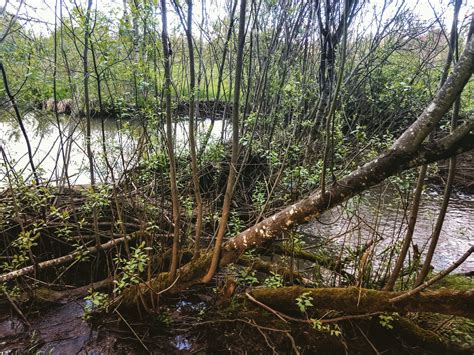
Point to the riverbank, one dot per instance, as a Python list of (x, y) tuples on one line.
[(65, 239)]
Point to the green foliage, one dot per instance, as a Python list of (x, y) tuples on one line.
[(404, 181), (386, 320), (165, 318), (13, 292), (250, 253), (273, 281), (95, 302), (460, 331), (23, 243), (295, 241), (130, 269), (455, 282), (303, 177), (214, 152), (247, 277), (304, 301), (187, 203), (96, 200), (259, 196), (332, 329), (235, 223)]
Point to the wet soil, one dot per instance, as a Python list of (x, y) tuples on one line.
[(193, 322)]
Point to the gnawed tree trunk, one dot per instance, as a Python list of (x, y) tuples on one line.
[(354, 300), (407, 152)]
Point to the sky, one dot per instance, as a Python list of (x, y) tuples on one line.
[(42, 11)]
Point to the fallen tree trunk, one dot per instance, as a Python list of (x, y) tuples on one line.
[(65, 259), (424, 339), (355, 300)]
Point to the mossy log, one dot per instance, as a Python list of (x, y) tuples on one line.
[(355, 300)]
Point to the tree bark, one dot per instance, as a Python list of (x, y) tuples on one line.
[(169, 140)]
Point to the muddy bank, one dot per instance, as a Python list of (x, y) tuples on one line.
[(201, 321)]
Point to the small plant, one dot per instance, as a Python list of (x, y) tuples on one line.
[(95, 302), (250, 253), (386, 320), (165, 318), (304, 301), (214, 152), (131, 268), (81, 251), (317, 324), (273, 281), (333, 330), (235, 223), (188, 207), (13, 292), (295, 242), (96, 200), (25, 241), (247, 277), (258, 196)]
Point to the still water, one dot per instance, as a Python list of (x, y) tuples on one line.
[(121, 140)]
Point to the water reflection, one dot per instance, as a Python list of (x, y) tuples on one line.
[(121, 140), (380, 216)]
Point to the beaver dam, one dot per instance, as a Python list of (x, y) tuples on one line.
[(242, 177), (73, 254)]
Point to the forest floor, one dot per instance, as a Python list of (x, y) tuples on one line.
[(201, 321)]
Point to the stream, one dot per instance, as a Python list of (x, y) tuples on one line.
[(379, 216)]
